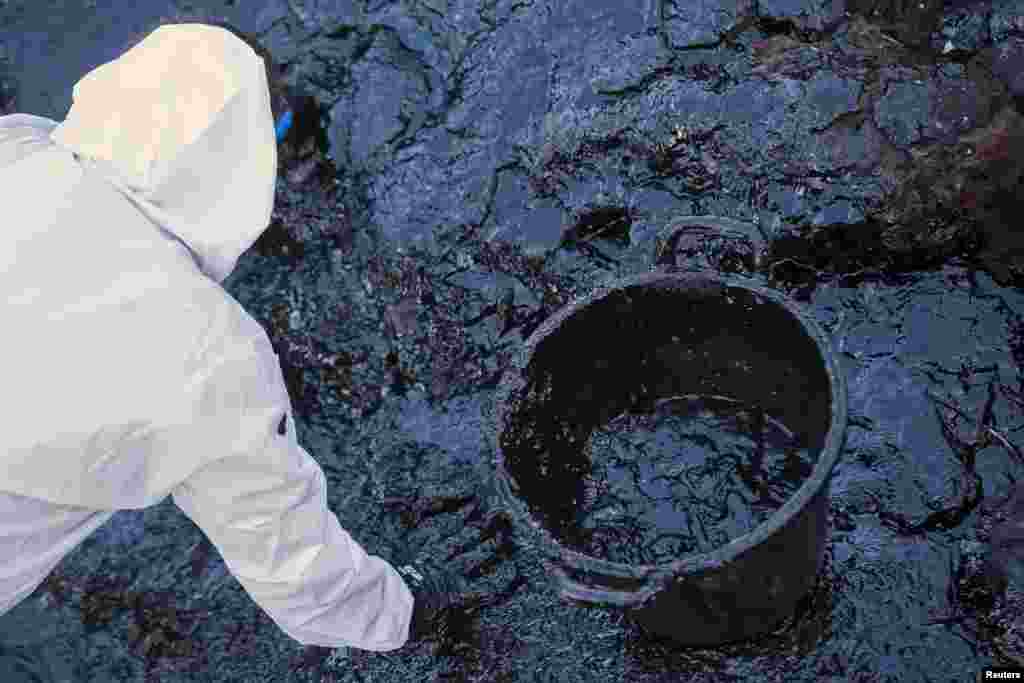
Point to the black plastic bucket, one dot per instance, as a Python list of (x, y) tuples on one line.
[(630, 343)]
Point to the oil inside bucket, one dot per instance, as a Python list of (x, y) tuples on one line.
[(685, 476)]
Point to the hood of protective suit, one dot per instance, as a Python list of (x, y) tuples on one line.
[(123, 359), (182, 123)]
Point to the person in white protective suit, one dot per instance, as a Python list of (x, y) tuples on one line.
[(130, 374)]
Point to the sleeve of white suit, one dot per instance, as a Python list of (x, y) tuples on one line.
[(264, 507)]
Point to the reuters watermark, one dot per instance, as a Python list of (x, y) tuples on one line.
[(1001, 674)]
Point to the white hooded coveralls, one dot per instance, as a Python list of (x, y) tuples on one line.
[(129, 373)]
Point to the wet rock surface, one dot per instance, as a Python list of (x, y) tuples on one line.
[(473, 166)]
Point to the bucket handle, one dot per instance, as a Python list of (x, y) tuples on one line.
[(693, 228), (570, 589)]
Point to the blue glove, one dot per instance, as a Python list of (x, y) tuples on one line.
[(283, 125)]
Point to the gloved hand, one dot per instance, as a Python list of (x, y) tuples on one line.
[(435, 594)]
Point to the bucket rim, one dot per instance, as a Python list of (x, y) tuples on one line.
[(699, 563)]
